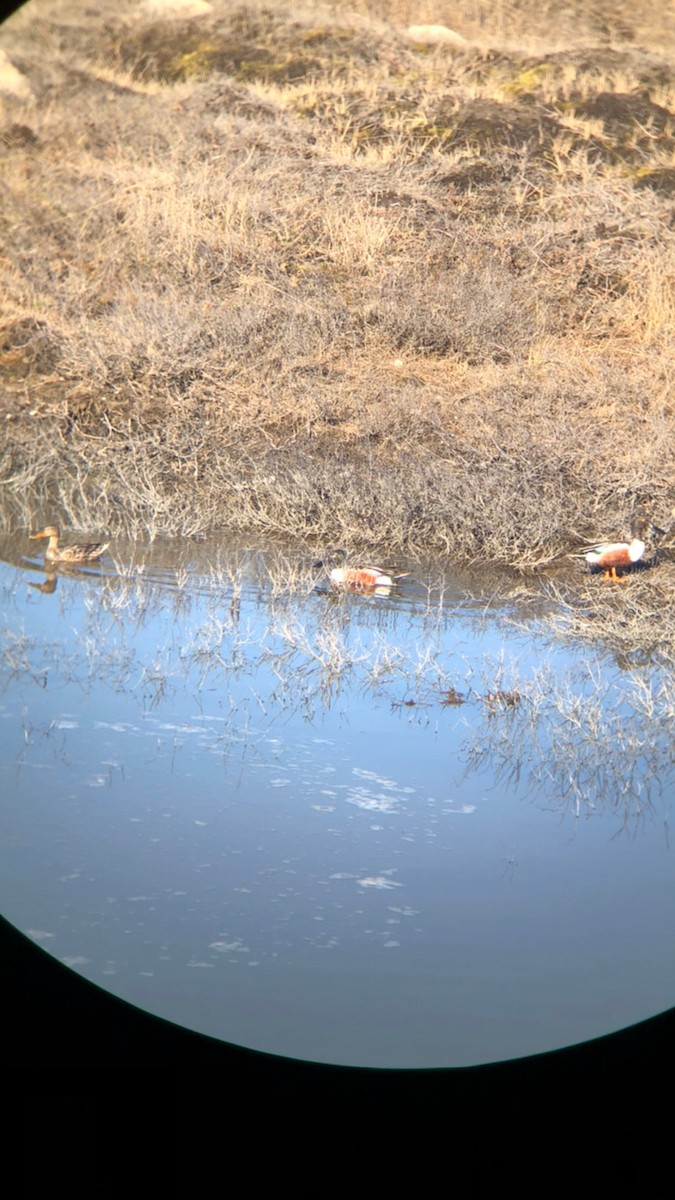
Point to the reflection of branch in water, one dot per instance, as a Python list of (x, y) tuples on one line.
[(154, 682), (589, 745), (581, 739), (15, 657), (635, 624), (43, 735)]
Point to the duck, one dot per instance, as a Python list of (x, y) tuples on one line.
[(357, 579), (610, 555), (76, 553)]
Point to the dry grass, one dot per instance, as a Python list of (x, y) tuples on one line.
[(286, 271)]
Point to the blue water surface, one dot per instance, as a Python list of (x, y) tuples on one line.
[(396, 831)]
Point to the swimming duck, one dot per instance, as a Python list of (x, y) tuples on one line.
[(610, 555), (357, 579), (79, 552)]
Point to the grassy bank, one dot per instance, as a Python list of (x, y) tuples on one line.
[(285, 269)]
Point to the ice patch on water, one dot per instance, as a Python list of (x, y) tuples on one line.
[(378, 881)]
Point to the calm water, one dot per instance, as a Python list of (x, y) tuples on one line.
[(259, 810)]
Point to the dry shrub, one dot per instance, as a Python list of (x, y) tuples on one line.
[(464, 307)]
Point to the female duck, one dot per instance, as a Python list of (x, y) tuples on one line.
[(77, 553)]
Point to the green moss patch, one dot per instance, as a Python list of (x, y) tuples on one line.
[(244, 47)]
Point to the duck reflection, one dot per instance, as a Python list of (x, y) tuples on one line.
[(64, 558), (53, 570), (48, 584)]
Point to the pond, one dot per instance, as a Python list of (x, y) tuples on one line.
[(398, 830)]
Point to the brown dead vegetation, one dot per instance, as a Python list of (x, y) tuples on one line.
[(285, 270)]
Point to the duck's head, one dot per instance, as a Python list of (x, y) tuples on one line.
[(334, 558), (48, 531)]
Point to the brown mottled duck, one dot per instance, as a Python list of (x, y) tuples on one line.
[(77, 553)]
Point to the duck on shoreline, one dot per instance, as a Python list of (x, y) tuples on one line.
[(611, 555)]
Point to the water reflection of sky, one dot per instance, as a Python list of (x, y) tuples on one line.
[(267, 817)]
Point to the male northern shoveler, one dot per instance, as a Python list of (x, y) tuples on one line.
[(357, 579), (610, 555), (79, 552)]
